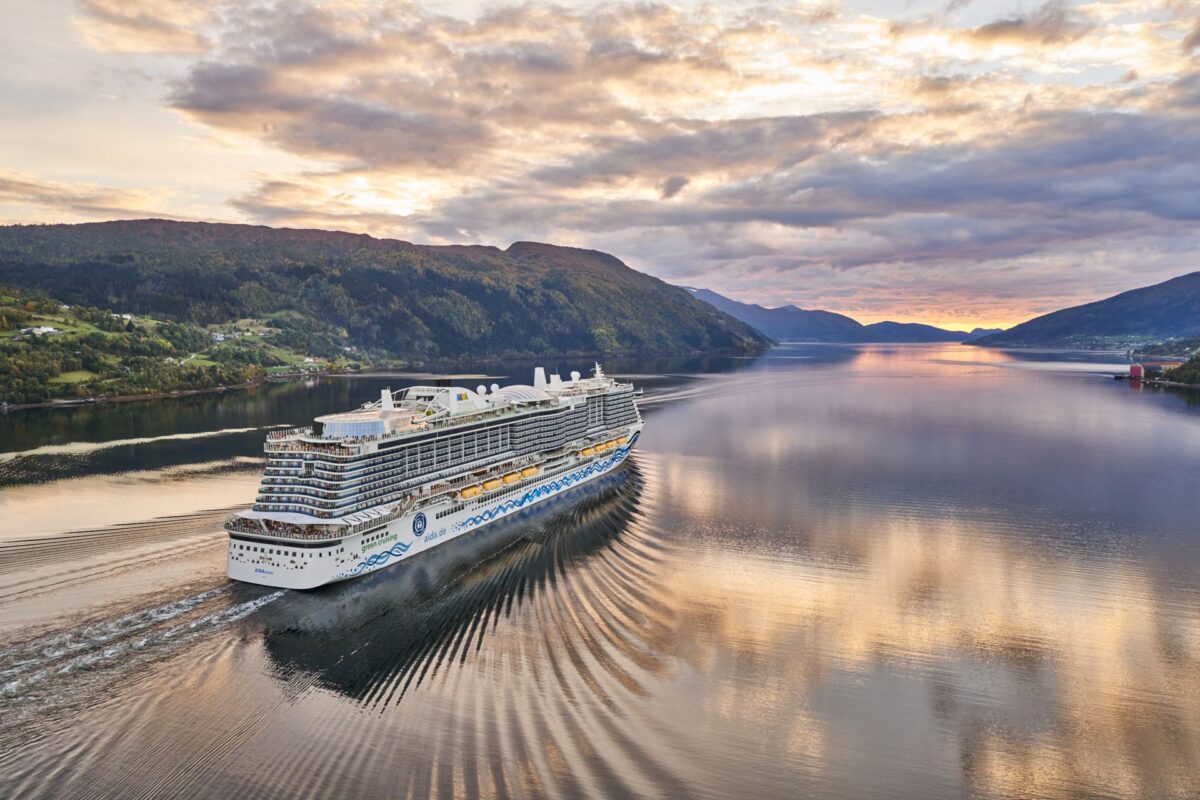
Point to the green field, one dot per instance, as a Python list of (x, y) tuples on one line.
[(77, 376), (98, 352)]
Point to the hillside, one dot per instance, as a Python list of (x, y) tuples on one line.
[(789, 323), (909, 332), (324, 292), (52, 351), (1167, 310)]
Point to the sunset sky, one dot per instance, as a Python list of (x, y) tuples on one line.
[(961, 163)]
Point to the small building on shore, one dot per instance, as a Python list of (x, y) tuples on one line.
[(1151, 369)]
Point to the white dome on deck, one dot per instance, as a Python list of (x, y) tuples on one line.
[(521, 393)]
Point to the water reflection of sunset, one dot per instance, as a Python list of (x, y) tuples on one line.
[(1054, 673)]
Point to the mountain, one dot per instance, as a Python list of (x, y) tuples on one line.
[(330, 291), (979, 333), (790, 323), (908, 332), (1163, 311)]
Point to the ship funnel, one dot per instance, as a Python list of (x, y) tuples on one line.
[(539, 378), (385, 400), (555, 380)]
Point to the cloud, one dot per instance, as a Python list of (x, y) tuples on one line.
[(806, 152), (1050, 23), (1192, 40), (673, 186), (144, 26), (66, 202)]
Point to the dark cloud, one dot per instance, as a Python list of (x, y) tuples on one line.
[(1054, 179), (1050, 23), (1192, 40), (673, 186), (690, 147), (251, 97)]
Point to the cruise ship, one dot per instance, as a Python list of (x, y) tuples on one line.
[(362, 490)]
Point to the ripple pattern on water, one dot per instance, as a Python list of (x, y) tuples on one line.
[(855, 572)]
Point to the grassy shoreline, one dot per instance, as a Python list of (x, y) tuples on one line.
[(366, 371)]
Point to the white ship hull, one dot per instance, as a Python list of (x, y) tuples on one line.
[(294, 567)]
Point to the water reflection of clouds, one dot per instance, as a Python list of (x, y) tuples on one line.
[(892, 579), (975, 568), (1106, 668)]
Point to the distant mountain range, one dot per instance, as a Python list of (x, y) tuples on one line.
[(789, 323), (385, 298), (1168, 310)]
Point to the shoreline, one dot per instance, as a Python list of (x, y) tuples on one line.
[(1172, 384), (76, 402), (1159, 382), (424, 369)]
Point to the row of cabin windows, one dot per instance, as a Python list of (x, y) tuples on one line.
[(448, 452), (294, 500), (459, 448), (305, 489), (451, 452), (271, 551), (270, 490), (491, 437), (485, 440), (360, 500)]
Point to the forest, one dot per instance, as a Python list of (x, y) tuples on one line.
[(390, 300)]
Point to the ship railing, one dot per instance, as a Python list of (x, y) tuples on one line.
[(285, 530), (289, 433), (299, 446), (288, 441), (243, 525), (376, 521)]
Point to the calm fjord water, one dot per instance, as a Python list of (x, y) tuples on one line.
[(836, 572)]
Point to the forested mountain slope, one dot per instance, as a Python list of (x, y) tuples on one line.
[(329, 290)]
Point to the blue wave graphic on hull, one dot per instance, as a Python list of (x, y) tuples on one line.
[(546, 489), (381, 557), (565, 482)]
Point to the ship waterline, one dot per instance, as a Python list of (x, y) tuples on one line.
[(365, 489)]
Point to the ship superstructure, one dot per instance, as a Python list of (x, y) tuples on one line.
[(367, 488)]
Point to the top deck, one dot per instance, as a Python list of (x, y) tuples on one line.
[(420, 409)]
